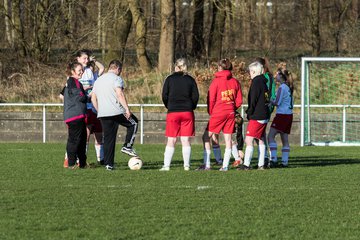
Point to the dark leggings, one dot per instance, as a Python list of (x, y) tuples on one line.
[(76, 143)]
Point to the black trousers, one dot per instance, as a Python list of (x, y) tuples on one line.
[(76, 143), (239, 136), (110, 127)]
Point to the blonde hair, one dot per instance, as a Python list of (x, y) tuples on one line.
[(257, 68), (181, 64)]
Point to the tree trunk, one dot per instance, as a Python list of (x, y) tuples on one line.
[(120, 32), (140, 39), (315, 26), (167, 35), (7, 10), (198, 45), (217, 30)]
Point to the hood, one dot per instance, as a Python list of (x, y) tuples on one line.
[(224, 74)]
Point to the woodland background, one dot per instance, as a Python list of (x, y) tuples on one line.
[(40, 36)]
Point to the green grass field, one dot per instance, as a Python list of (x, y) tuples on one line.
[(318, 197)]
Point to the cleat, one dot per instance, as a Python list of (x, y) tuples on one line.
[(203, 168), (244, 168), (283, 165), (129, 151), (101, 162), (266, 162), (164, 169), (186, 168), (273, 164), (218, 162), (261, 168), (66, 163), (109, 168), (237, 163), (223, 169)]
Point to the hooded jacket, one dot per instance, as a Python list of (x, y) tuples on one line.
[(258, 99), (75, 100), (224, 95), (180, 93)]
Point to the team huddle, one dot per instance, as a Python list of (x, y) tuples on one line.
[(95, 103)]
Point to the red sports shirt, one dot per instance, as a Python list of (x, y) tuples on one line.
[(224, 95)]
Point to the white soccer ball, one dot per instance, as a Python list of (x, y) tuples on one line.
[(135, 163)]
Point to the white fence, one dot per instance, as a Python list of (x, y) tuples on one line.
[(143, 106)]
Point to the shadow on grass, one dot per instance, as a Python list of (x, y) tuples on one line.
[(318, 161), (174, 164)]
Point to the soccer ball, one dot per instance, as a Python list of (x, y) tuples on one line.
[(135, 163)]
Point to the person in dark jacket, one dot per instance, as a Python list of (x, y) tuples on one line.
[(258, 114), (75, 100), (180, 96)]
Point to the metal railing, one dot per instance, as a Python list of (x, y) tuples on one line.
[(143, 106)]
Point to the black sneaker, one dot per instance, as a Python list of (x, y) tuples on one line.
[(129, 151), (266, 162), (273, 164), (283, 166), (244, 168), (101, 162)]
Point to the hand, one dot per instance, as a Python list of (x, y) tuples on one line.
[(127, 113), (92, 58)]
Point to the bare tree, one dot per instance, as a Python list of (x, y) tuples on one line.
[(217, 30), (7, 14), (341, 9), (314, 19), (167, 35), (198, 45), (119, 29), (140, 40)]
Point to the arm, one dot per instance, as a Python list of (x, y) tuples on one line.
[(94, 101), (212, 97), (195, 95), (253, 98), (238, 100), (277, 100), (122, 100), (100, 66), (165, 93)]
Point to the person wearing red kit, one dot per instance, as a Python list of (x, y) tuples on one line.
[(224, 98)]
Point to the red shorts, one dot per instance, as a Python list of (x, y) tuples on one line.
[(180, 124), (255, 129), (282, 122), (93, 121), (224, 122)]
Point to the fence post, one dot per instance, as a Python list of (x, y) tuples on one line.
[(141, 124), (344, 124), (44, 123)]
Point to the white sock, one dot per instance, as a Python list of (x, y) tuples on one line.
[(227, 156), (261, 155), (168, 154), (285, 155), (266, 152), (186, 152), (248, 155), (87, 147), (217, 152), (207, 158), (273, 151), (98, 149), (235, 152)]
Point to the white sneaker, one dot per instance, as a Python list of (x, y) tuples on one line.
[(164, 169), (186, 168)]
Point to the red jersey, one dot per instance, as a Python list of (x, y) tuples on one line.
[(224, 95)]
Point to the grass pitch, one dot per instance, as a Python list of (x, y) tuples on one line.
[(318, 197)]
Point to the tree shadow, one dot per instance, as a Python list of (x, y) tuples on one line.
[(318, 161)]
